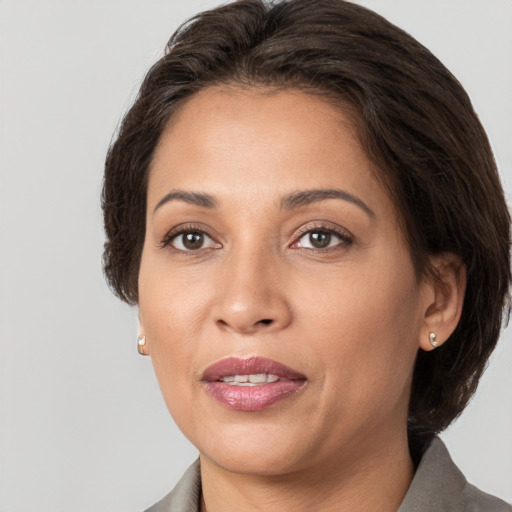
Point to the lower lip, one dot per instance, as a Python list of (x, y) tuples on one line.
[(253, 398)]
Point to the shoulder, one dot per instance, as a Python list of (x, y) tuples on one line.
[(476, 500), (439, 485), (186, 494)]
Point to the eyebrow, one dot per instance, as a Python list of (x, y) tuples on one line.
[(289, 202), (306, 197), (197, 198)]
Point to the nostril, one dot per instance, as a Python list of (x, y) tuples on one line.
[(266, 321)]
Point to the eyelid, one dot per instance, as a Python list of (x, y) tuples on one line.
[(342, 233), (186, 228)]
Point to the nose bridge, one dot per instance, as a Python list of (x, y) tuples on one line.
[(250, 295)]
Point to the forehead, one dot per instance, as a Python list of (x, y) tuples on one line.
[(229, 140)]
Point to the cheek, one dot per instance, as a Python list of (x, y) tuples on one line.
[(171, 304), (172, 316), (365, 324), (360, 299)]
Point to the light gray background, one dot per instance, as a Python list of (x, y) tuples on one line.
[(82, 424)]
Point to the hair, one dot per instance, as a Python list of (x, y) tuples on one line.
[(414, 121)]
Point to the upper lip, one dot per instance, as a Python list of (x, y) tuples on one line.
[(249, 366)]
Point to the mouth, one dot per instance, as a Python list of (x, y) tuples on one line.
[(251, 384)]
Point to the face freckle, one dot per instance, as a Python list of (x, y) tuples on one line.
[(268, 236)]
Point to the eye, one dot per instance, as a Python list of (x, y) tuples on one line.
[(322, 238), (191, 240)]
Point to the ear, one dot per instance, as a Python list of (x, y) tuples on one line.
[(142, 341), (443, 300)]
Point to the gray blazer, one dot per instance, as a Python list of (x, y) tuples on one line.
[(438, 486)]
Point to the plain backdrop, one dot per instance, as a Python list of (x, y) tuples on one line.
[(82, 423)]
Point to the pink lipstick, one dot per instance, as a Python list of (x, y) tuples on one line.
[(251, 384)]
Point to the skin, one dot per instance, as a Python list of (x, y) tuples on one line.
[(350, 317)]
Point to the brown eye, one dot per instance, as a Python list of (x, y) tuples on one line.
[(192, 241), (320, 239), (323, 239)]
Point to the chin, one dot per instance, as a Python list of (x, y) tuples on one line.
[(262, 450), (253, 463)]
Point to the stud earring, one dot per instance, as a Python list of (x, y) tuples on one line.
[(432, 338), (141, 343)]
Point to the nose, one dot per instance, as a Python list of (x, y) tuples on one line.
[(251, 294)]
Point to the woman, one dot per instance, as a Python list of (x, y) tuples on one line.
[(306, 210)]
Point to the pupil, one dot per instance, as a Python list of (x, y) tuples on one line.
[(320, 239), (193, 240)]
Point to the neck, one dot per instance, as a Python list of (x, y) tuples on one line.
[(375, 480)]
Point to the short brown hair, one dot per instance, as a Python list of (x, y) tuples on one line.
[(415, 122)]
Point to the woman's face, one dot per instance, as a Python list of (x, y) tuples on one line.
[(277, 295)]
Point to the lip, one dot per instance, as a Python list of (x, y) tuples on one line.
[(256, 397)]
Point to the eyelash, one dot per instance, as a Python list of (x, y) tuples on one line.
[(182, 230), (346, 239)]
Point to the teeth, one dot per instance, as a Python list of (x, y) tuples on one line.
[(249, 380), (260, 378)]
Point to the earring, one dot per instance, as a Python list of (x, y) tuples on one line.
[(141, 343), (432, 338)]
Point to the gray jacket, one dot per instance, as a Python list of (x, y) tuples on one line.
[(438, 486)]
